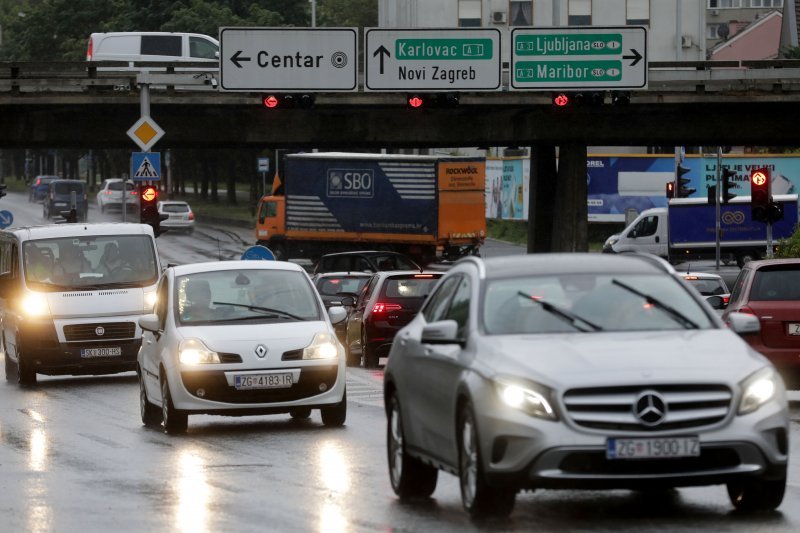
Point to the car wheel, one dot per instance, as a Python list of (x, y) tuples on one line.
[(477, 497), (174, 421), (410, 477), (351, 358), (753, 495), (371, 359), (102, 208), (745, 257), (11, 368), (300, 413), (335, 415), (26, 373), (279, 251), (151, 414)]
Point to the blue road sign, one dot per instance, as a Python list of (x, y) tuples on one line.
[(6, 219), (146, 166), (259, 252)]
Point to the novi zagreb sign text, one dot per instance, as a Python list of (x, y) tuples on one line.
[(586, 58)]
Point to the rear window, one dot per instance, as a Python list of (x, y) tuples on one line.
[(415, 286), (334, 285), (175, 208), (67, 188), (776, 284), (117, 186), (708, 287)]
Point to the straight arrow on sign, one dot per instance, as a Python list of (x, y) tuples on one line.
[(383, 54)]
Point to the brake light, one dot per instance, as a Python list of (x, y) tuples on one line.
[(90, 50), (380, 308), (191, 216), (107, 193), (38, 181), (726, 299), (423, 275), (745, 309)]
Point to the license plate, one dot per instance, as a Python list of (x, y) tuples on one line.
[(654, 448), (794, 328), (263, 381), (101, 352)]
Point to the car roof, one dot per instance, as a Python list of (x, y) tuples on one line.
[(367, 253), (54, 231), (396, 273), (765, 263), (173, 202), (345, 274), (241, 264), (61, 180), (573, 263), (701, 275)]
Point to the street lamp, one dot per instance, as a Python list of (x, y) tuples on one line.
[(313, 13)]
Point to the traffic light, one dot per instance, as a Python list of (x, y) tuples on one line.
[(760, 194), (670, 189), (417, 100), (148, 209), (288, 101), (775, 212), (594, 98), (712, 195), (620, 97), (728, 184), (683, 190)]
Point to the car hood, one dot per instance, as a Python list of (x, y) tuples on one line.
[(111, 302), (570, 360)]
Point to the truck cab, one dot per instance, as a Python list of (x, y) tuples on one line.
[(271, 228), (647, 233)]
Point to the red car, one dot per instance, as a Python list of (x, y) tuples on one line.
[(770, 289)]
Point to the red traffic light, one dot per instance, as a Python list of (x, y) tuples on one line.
[(416, 101), (271, 101), (561, 99), (759, 178), (149, 194)]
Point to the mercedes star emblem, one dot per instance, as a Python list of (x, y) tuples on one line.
[(650, 408)]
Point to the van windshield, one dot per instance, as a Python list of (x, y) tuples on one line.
[(90, 262)]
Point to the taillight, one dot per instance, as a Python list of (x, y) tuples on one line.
[(423, 275), (380, 308), (745, 309), (191, 216), (726, 299), (90, 50), (38, 182)]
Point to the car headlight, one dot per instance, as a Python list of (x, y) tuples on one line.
[(194, 352), (323, 346), (35, 304), (611, 241), (149, 301), (758, 389), (529, 398)]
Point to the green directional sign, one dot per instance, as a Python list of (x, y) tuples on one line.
[(589, 57), (438, 49)]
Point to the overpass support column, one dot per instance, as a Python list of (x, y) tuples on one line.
[(569, 222), (541, 193)]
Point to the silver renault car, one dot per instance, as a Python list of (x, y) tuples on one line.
[(580, 371)]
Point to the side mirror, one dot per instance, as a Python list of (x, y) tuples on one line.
[(149, 322), (337, 314), (744, 323), (348, 301), (717, 302), (633, 234), (441, 332)]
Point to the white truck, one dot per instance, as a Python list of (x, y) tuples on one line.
[(685, 230)]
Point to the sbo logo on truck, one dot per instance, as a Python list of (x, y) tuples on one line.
[(355, 183)]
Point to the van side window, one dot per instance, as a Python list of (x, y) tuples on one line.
[(645, 227), (8, 259), (161, 45), (202, 48)]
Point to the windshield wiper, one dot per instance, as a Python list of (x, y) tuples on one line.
[(269, 310), (567, 316), (673, 313)]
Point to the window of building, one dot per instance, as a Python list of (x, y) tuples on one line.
[(717, 31), (520, 13), (637, 13), (469, 13), (765, 3), (715, 4), (580, 13)]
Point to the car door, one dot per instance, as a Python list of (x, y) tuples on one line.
[(154, 343), (356, 318)]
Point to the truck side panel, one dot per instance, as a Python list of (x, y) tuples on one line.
[(328, 195), (462, 216)]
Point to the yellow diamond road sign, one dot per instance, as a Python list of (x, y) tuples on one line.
[(145, 132)]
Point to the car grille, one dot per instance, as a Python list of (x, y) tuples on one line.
[(685, 406), (110, 331)]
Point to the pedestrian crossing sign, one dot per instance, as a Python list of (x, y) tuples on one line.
[(146, 166)]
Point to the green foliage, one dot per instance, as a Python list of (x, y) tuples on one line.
[(790, 52), (789, 247), (347, 13)]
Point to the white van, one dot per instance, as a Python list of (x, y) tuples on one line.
[(152, 46), (71, 296)]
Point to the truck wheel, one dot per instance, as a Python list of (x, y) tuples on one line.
[(279, 251), (745, 257)]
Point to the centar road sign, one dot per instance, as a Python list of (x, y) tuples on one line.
[(288, 59), (432, 59), (587, 57)]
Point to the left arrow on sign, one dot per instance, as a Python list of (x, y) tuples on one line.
[(383, 53), (237, 57), (636, 57)]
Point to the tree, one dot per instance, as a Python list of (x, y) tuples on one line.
[(347, 13)]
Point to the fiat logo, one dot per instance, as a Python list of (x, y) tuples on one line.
[(99, 331), (261, 351)]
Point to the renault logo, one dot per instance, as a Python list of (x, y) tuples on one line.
[(650, 408), (99, 331), (261, 351)]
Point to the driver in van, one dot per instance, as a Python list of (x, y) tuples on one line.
[(111, 259), (71, 263)]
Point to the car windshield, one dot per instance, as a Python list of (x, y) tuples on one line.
[(86, 263), (707, 287), (588, 303), (226, 296), (333, 285), (771, 284)]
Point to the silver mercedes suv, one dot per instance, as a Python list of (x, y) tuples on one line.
[(580, 371)]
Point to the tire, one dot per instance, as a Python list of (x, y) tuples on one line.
[(335, 415), (26, 373), (371, 359), (102, 208), (300, 413), (745, 257), (279, 251), (477, 496), (151, 414), (410, 477), (11, 368), (175, 421), (757, 495)]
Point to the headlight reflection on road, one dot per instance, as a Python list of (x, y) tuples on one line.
[(335, 477), (38, 456), (194, 493), (37, 513)]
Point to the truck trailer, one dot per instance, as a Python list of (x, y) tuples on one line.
[(427, 207), (685, 230)]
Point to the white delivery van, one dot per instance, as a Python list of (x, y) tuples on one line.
[(71, 296), (152, 46)]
